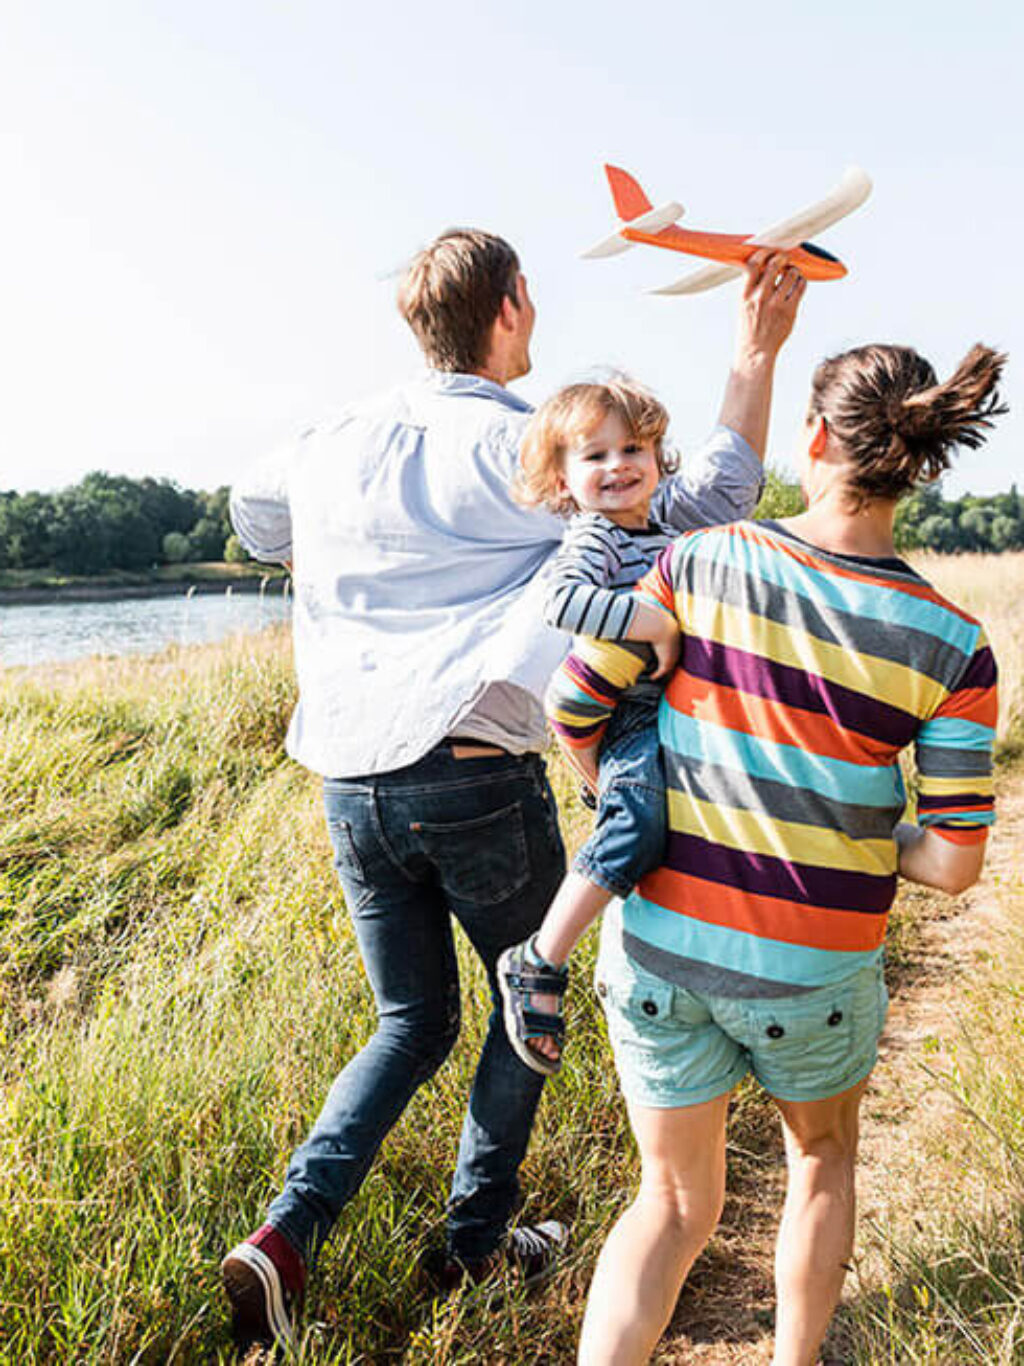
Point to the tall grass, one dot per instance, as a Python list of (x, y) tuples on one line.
[(179, 983), (991, 587)]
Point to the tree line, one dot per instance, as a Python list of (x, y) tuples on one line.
[(109, 522), (926, 520)]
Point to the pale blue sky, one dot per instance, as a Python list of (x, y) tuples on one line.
[(205, 203)]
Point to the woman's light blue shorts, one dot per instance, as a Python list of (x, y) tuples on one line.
[(674, 1047)]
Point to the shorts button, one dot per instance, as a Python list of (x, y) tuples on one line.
[(649, 1008), (775, 1031), (835, 1018)]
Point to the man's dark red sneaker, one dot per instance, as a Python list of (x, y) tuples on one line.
[(264, 1278), (531, 1253)]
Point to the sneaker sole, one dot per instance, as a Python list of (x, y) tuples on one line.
[(253, 1286), (508, 1014)]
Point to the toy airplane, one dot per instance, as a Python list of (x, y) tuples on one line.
[(641, 222)]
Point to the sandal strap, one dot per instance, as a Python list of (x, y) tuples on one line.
[(543, 981), (541, 1024)]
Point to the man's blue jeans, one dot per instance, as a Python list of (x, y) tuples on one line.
[(474, 838)]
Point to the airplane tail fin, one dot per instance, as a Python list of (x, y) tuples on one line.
[(630, 200), (635, 212)]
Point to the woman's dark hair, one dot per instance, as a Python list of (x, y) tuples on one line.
[(896, 422)]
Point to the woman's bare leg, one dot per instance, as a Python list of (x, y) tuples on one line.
[(652, 1247), (816, 1235)]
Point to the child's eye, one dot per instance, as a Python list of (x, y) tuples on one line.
[(595, 455), (631, 447)]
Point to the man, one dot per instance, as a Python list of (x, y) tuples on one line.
[(421, 660)]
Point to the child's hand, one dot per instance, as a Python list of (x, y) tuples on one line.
[(667, 648), (660, 631)]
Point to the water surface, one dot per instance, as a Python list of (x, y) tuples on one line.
[(40, 633)]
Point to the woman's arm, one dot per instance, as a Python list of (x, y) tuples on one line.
[(927, 857)]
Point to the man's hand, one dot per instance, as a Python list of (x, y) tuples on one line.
[(771, 297), (660, 631), (768, 308)]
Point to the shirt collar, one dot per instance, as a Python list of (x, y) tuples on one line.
[(474, 386)]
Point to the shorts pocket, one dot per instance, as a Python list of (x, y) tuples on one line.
[(484, 860), (808, 1045), (640, 1005)]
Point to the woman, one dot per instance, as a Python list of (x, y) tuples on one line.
[(811, 657)]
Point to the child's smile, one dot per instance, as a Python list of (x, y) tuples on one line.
[(613, 473)]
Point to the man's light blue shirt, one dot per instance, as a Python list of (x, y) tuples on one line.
[(419, 579)]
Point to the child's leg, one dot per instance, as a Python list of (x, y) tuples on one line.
[(627, 841), (577, 904), (533, 1014)]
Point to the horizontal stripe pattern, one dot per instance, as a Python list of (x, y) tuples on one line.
[(803, 676)]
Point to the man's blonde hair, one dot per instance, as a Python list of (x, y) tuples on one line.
[(568, 418)]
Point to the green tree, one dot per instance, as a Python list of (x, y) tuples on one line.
[(781, 497), (176, 547)]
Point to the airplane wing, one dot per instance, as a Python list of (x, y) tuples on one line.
[(848, 195), (705, 278)]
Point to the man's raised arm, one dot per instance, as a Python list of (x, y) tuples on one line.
[(722, 481), (771, 296)]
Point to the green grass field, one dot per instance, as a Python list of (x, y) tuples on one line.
[(180, 983)]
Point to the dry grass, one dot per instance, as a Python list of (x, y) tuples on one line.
[(992, 588), (179, 983)]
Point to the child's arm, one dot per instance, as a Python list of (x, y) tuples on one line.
[(579, 600), (578, 597), (583, 693), (722, 482)]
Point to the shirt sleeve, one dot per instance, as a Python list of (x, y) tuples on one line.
[(954, 754), (578, 598), (721, 483), (585, 690), (260, 512)]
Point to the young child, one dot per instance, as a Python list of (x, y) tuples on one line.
[(595, 452)]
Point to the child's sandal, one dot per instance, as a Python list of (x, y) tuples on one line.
[(520, 978)]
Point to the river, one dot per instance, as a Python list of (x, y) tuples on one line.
[(41, 633)]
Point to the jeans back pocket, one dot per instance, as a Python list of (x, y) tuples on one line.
[(483, 860)]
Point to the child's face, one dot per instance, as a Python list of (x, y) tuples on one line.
[(611, 472)]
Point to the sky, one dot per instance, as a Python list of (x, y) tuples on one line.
[(207, 203)]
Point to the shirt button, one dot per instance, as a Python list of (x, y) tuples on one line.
[(775, 1031), (835, 1018), (602, 990), (649, 1008)]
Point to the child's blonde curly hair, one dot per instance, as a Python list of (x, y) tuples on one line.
[(568, 418)]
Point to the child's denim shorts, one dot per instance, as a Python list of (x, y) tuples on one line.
[(628, 839), (674, 1047)]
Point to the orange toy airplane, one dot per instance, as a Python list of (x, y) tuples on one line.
[(641, 222)]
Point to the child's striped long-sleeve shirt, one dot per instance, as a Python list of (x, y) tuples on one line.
[(802, 677)]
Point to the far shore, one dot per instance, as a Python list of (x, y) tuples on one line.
[(162, 583)]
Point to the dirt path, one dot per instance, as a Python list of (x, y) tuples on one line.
[(725, 1313)]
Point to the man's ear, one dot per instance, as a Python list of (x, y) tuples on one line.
[(508, 313), (819, 439)]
